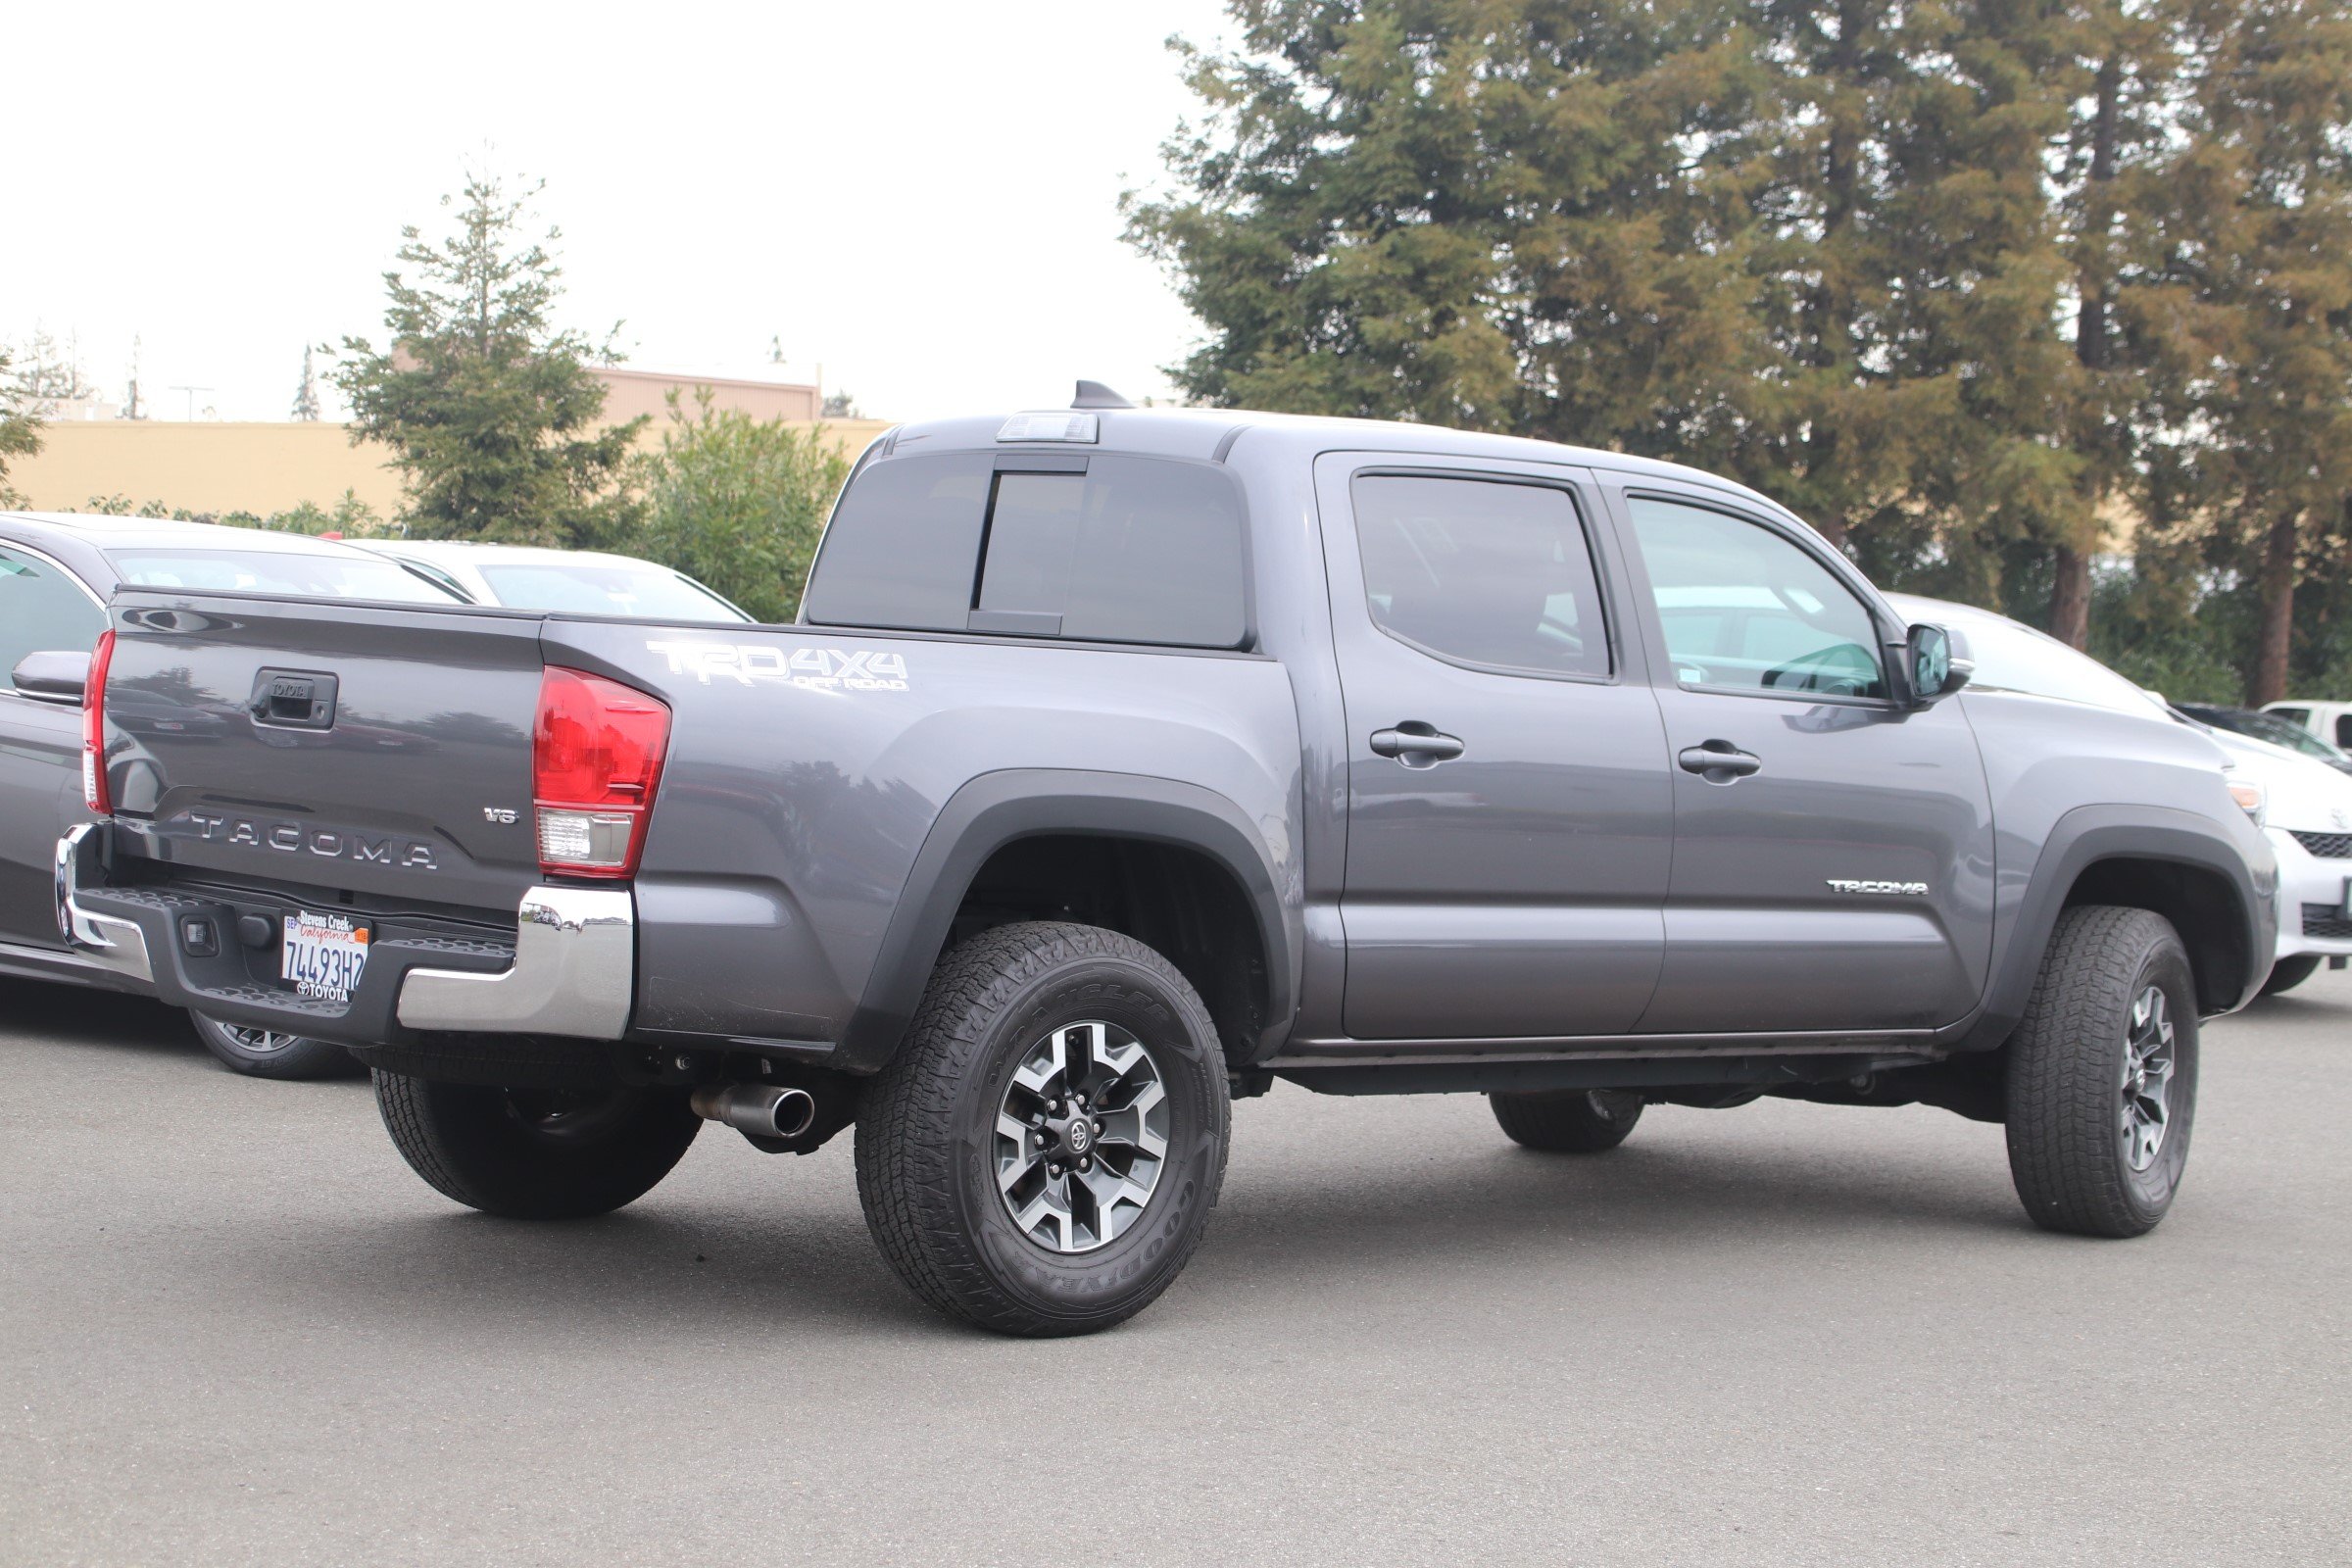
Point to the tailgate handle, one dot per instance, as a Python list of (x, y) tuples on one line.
[(293, 699)]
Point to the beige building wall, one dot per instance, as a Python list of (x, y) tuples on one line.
[(218, 466), (629, 393)]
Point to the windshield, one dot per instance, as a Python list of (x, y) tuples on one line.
[(272, 572), (605, 588)]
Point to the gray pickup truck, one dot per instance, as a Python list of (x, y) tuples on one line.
[(1125, 760)]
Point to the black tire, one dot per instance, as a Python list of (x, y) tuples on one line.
[(2069, 1119), (267, 1054), (2289, 973), (927, 1148), (1566, 1121), (536, 1154)]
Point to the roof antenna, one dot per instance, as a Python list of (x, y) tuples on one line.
[(1095, 395)]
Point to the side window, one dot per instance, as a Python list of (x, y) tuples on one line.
[(1483, 572), (2293, 715), (1746, 608), (2343, 731), (41, 610)]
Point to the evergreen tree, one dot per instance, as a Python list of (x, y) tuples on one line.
[(490, 411), (306, 394), (1519, 217), (2116, 72), (2257, 253), (20, 428)]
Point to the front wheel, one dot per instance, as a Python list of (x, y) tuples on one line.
[(269, 1054), (2103, 1075), (1040, 1156), (536, 1154)]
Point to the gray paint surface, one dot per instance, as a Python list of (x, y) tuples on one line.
[(1562, 879), (1783, 1333)]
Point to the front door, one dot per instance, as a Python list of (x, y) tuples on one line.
[(1509, 812), (1833, 853), (41, 610)]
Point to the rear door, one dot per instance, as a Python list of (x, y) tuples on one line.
[(1833, 850), (43, 608), (1508, 812)]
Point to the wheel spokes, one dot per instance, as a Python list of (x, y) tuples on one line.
[(1080, 1136)]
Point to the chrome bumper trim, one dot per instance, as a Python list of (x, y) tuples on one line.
[(104, 940), (574, 973)]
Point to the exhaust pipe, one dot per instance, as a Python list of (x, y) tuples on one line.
[(757, 1110)]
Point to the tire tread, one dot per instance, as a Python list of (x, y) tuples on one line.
[(907, 1119)]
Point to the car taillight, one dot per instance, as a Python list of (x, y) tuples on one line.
[(94, 792), (596, 759)]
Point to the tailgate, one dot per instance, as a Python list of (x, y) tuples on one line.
[(384, 753)]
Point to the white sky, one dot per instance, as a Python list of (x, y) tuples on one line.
[(919, 196)]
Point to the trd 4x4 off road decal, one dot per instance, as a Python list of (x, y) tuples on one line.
[(854, 669)]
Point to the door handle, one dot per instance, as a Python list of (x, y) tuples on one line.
[(1416, 744), (1719, 761)]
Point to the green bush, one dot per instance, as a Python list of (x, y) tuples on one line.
[(739, 503)]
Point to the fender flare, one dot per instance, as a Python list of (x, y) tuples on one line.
[(2084, 838), (1001, 808)]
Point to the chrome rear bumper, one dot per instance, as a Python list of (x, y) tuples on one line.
[(105, 940), (574, 971)]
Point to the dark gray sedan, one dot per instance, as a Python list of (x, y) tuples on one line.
[(57, 571)]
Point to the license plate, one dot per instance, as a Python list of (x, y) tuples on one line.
[(323, 956)]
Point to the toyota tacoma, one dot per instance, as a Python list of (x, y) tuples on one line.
[(1125, 760)]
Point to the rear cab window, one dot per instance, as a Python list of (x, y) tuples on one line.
[(1100, 548)]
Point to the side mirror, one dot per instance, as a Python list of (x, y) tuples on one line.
[(52, 676), (1934, 669)]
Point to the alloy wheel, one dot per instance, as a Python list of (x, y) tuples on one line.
[(1081, 1136), (2148, 1065)]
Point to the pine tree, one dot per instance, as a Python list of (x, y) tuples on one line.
[(1481, 215), (306, 393), (490, 411), (20, 426), (2119, 78), (2257, 257)]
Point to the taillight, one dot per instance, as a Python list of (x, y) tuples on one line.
[(94, 792), (595, 758)]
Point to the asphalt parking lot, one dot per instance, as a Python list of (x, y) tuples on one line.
[(236, 1329)]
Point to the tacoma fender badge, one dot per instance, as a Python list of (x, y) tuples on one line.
[(1840, 884)]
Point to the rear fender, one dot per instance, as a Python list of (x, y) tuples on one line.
[(999, 809)]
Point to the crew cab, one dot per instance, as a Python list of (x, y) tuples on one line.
[(1126, 761)]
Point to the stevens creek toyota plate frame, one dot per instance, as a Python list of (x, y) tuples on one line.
[(322, 956)]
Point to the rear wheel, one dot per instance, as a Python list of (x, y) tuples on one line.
[(536, 1154), (2103, 1075), (269, 1054), (1567, 1121), (1041, 1155), (2289, 973)]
